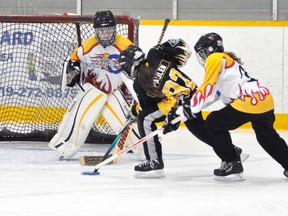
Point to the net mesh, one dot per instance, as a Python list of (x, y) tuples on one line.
[(32, 53)]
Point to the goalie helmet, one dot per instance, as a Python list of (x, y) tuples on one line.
[(130, 58), (206, 45), (177, 50), (104, 24)]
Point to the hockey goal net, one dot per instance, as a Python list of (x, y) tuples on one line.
[(33, 49)]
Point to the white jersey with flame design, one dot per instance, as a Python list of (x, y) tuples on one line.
[(99, 65), (225, 78)]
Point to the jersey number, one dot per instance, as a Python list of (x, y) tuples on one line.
[(177, 84), (243, 72)]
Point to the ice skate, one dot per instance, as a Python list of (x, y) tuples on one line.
[(231, 171), (150, 169)]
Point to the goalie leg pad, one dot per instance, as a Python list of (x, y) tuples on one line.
[(77, 121), (115, 111)]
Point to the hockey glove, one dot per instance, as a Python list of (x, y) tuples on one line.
[(135, 110), (73, 73), (168, 126), (186, 104)]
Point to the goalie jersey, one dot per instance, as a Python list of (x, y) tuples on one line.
[(99, 65), (166, 78)]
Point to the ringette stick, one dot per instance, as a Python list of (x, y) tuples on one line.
[(123, 151), (163, 31)]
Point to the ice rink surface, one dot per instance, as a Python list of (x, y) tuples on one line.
[(33, 182)]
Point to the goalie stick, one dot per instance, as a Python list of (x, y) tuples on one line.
[(122, 136), (64, 73), (163, 31), (123, 151), (121, 143)]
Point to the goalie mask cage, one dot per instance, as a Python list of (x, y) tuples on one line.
[(33, 49)]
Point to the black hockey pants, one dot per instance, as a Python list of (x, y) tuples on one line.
[(220, 122), (198, 128), (147, 120)]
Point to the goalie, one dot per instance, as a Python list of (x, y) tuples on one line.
[(93, 66)]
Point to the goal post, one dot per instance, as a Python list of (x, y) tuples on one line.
[(33, 49)]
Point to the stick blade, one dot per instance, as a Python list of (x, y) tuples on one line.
[(90, 173), (90, 160)]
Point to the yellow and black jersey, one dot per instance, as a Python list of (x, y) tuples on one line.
[(224, 77), (166, 78)]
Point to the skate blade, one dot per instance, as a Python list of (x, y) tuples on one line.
[(244, 157), (62, 158), (150, 174), (230, 178)]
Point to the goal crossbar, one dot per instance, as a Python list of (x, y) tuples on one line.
[(33, 48)]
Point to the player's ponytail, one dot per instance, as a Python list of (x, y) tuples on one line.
[(145, 77), (233, 56)]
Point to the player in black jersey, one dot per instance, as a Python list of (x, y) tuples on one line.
[(160, 86)]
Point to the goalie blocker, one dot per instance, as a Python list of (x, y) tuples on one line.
[(81, 115)]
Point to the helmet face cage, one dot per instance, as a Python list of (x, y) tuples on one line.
[(106, 35), (179, 50), (201, 57), (129, 59), (127, 69), (104, 24), (206, 45)]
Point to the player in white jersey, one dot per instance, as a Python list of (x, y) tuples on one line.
[(246, 99), (94, 65)]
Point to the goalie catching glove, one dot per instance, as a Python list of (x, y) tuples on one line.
[(73, 73)]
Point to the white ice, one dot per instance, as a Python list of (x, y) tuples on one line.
[(33, 182)]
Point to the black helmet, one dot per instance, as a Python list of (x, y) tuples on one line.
[(177, 50), (129, 59), (104, 24), (207, 44)]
